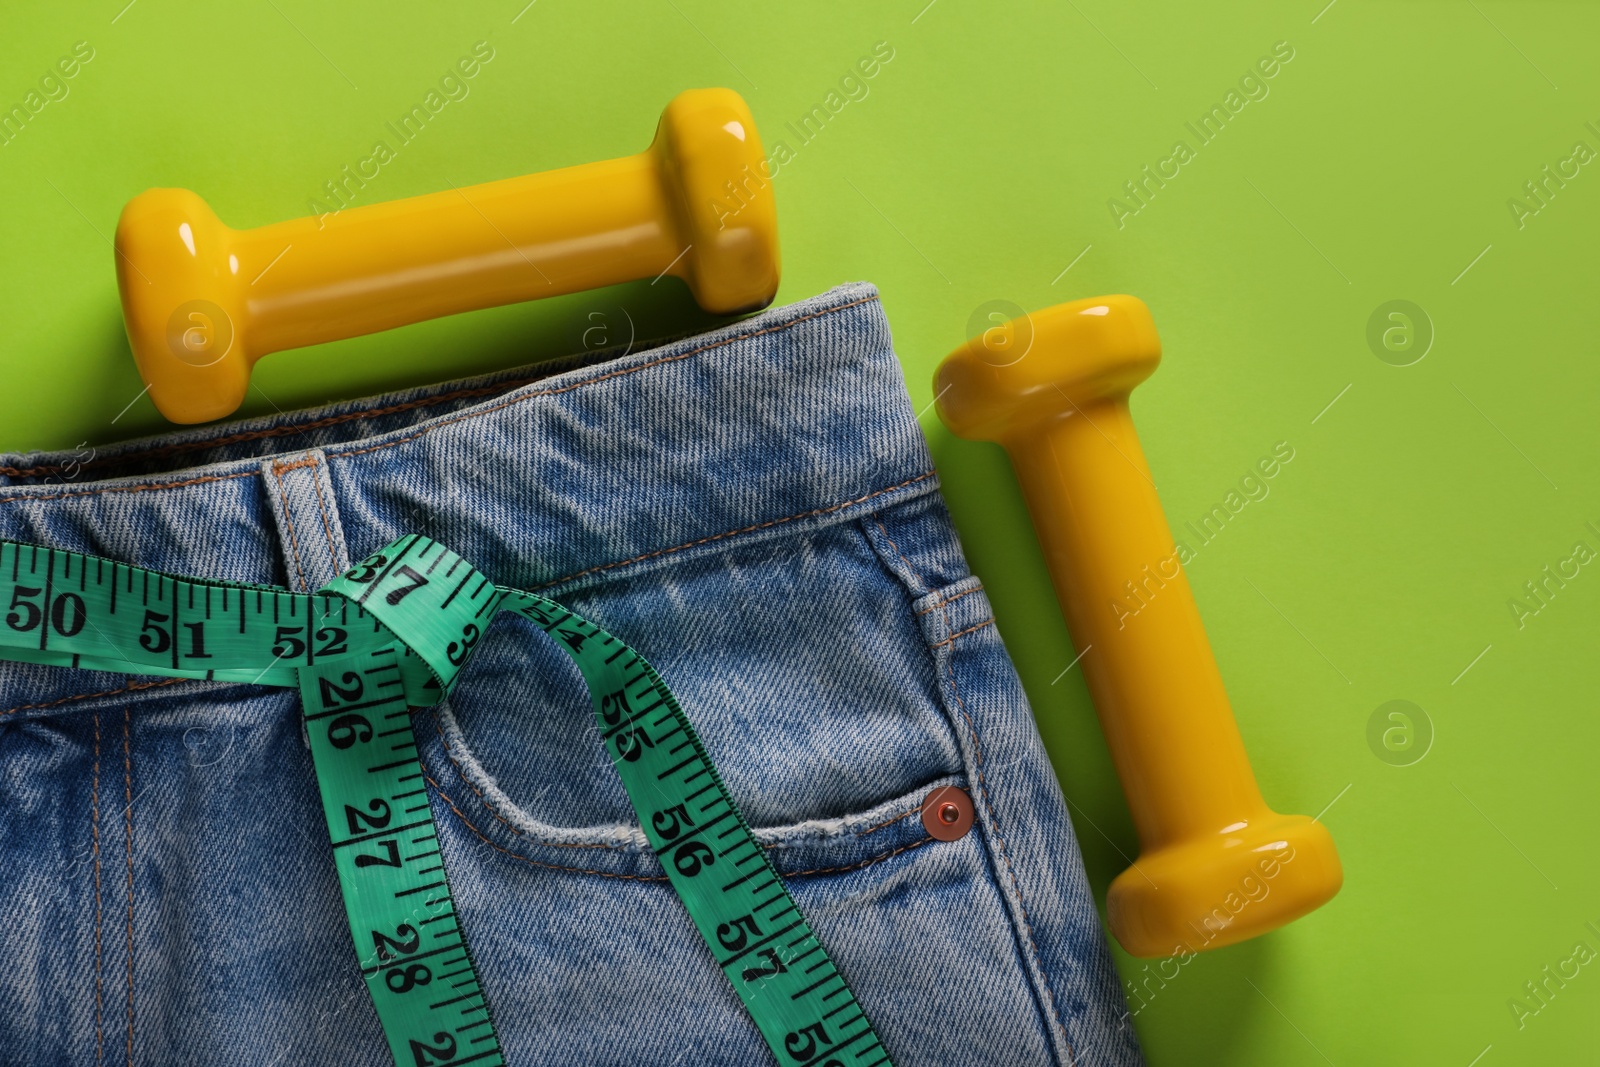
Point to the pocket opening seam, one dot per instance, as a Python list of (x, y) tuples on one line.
[(489, 805), (480, 835)]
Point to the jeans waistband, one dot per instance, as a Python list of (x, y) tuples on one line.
[(540, 479)]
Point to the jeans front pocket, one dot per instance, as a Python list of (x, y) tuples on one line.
[(587, 955), (807, 671)]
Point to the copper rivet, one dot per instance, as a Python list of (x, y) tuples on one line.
[(947, 813)]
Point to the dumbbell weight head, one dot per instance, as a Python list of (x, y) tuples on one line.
[(183, 299), (1006, 381), (713, 166)]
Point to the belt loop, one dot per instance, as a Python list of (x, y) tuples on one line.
[(309, 533)]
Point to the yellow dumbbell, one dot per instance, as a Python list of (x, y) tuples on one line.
[(1217, 865), (203, 302)]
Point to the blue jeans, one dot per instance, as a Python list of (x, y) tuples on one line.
[(756, 512)]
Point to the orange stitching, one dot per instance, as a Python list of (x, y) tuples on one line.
[(127, 785), (883, 530), (944, 612), (977, 748), (864, 863), (517, 856), (99, 955), (948, 600), (305, 583), (141, 487), (890, 822), (450, 754), (733, 533), (603, 377), (983, 787), (1022, 908), (279, 468), (130, 687), (584, 871), (643, 877), (977, 752), (962, 633), (316, 484)]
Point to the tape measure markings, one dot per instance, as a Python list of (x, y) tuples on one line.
[(393, 877), (391, 634)]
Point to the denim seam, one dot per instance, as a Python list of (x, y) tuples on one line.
[(947, 600), (129, 688), (316, 486), (490, 807), (1050, 1009), (983, 787), (139, 488), (921, 582), (313, 463), (918, 843), (465, 776), (283, 498), (99, 912), (322, 506), (127, 785), (479, 834), (890, 822), (490, 409), (961, 633), (734, 533)]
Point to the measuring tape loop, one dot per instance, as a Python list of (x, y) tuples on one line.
[(392, 634)]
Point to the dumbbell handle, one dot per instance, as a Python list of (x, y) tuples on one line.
[(1146, 658), (373, 268)]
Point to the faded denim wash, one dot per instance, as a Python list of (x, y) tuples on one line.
[(755, 511)]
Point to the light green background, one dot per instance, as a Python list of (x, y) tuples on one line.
[(977, 168)]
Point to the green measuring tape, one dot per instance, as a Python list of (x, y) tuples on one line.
[(392, 634)]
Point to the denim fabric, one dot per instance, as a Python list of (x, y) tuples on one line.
[(756, 512)]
